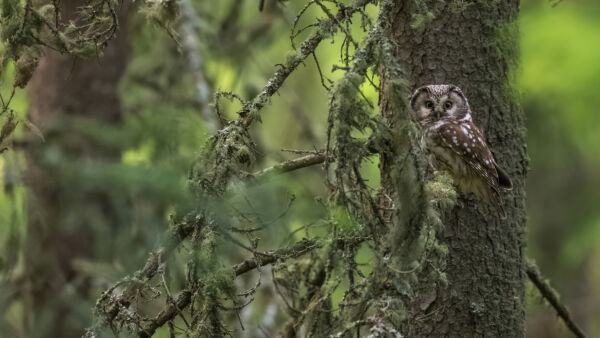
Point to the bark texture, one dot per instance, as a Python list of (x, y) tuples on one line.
[(473, 45), (64, 217)]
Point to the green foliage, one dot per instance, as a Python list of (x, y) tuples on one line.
[(344, 221)]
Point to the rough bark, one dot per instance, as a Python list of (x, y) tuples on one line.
[(62, 218), (473, 45)]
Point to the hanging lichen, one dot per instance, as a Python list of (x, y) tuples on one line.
[(230, 153)]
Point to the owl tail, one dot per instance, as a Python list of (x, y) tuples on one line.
[(503, 179)]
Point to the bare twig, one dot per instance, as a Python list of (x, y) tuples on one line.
[(534, 274), (291, 165)]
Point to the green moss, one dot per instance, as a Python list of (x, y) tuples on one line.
[(441, 190), (506, 34), (11, 13), (425, 13), (420, 21)]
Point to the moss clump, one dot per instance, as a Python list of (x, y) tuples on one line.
[(164, 13), (7, 128), (11, 16), (420, 21), (230, 153), (441, 191), (25, 65)]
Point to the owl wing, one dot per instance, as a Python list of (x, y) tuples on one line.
[(467, 141)]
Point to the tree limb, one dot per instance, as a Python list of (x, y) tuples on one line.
[(297, 250), (534, 274), (171, 311), (291, 165)]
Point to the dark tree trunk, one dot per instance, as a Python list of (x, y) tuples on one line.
[(473, 45), (63, 217)]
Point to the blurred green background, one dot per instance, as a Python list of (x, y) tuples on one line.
[(162, 134), (560, 73)]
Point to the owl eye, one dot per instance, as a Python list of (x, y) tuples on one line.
[(448, 104), (429, 104)]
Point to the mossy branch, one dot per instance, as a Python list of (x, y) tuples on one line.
[(291, 165), (184, 299), (108, 306), (167, 314), (250, 110), (548, 292), (265, 258)]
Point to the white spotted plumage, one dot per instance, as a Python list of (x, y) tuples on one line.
[(455, 144)]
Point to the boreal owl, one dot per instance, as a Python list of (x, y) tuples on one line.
[(456, 145)]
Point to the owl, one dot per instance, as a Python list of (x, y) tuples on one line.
[(456, 145)]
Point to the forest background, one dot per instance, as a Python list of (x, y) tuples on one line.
[(161, 132)]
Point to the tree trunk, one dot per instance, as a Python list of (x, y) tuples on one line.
[(473, 45), (63, 217)]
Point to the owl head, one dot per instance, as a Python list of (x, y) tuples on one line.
[(434, 102)]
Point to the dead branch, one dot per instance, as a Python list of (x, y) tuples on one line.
[(291, 165)]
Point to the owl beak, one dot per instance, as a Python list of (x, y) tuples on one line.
[(438, 113)]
